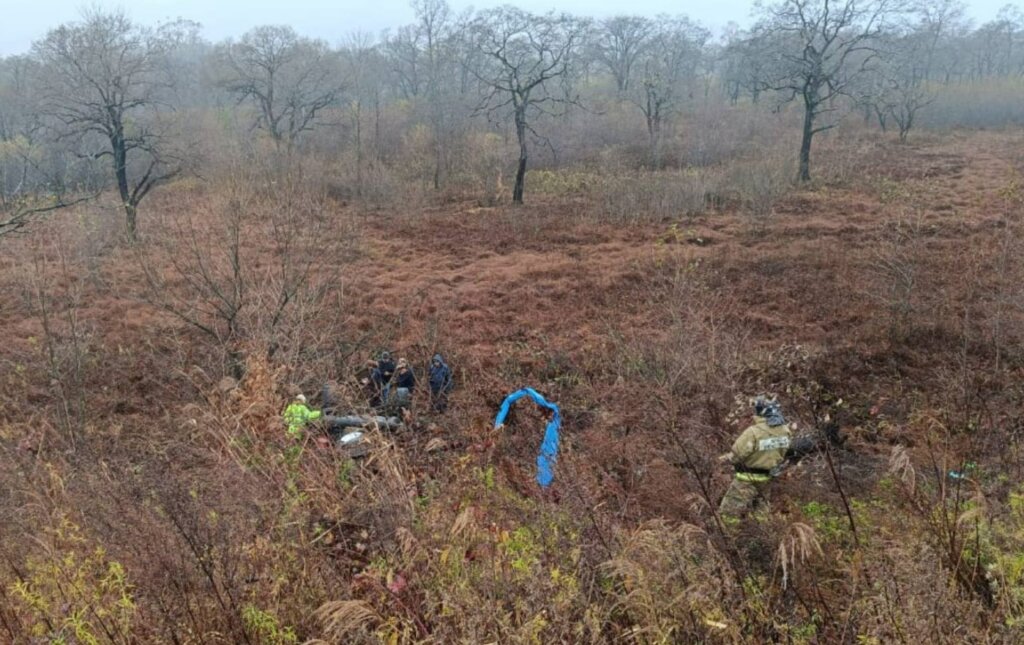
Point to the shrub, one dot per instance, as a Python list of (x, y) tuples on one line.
[(74, 592), (647, 197)]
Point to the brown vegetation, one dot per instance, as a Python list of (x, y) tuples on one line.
[(665, 266), (147, 499)]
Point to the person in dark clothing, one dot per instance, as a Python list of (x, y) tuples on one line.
[(398, 393), (405, 376), (383, 369), (440, 382), (381, 372), (330, 402)]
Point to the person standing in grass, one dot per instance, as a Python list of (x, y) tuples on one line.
[(298, 415), (440, 378), (759, 449)]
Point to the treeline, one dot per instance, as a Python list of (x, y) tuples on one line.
[(106, 103)]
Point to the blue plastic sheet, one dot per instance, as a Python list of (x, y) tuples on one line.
[(549, 447)]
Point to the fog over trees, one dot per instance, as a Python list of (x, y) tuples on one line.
[(478, 97)]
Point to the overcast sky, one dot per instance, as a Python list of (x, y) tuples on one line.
[(22, 21)]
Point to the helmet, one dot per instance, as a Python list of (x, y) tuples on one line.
[(301, 398), (770, 410), (764, 407)]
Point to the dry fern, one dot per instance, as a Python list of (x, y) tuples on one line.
[(797, 547), (463, 523), (975, 510), (407, 541), (341, 618), (901, 466)]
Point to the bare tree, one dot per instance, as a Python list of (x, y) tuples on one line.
[(16, 216), (619, 43), (901, 92), (211, 269), (102, 86), (406, 56), (666, 65), (742, 66), (815, 50), (187, 57), (1005, 39), (523, 56), (289, 80), (366, 68), (910, 99), (17, 89), (35, 175), (424, 59), (871, 95), (19, 128), (440, 34), (937, 19)]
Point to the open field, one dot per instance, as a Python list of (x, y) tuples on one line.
[(158, 498)]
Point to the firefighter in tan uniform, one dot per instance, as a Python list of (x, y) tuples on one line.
[(758, 450)]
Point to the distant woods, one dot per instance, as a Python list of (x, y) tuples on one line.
[(470, 100)]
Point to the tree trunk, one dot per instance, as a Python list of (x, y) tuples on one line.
[(805, 143), (378, 151), (653, 115), (520, 118), (905, 122), (359, 147), (621, 82), (439, 147), (437, 168), (130, 213), (654, 132), (120, 157)]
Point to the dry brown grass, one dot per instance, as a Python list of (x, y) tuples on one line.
[(645, 334)]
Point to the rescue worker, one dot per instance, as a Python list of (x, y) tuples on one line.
[(758, 450), (297, 415), (440, 378)]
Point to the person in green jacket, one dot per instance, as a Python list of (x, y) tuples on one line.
[(759, 449), (297, 415)]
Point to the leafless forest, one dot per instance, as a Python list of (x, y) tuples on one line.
[(644, 219)]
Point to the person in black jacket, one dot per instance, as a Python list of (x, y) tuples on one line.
[(383, 369), (440, 383), (405, 377), (399, 393)]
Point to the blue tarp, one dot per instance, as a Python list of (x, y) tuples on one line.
[(549, 447)]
